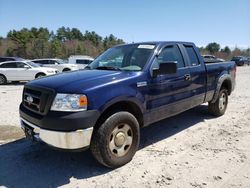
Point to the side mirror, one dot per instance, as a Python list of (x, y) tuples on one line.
[(168, 67), (26, 66)]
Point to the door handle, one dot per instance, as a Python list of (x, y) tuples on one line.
[(187, 77)]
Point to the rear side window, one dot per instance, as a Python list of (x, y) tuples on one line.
[(171, 53), (52, 62), (8, 65), (82, 61), (193, 59), (43, 62)]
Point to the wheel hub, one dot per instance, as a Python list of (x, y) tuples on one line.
[(1, 80), (222, 101), (120, 138)]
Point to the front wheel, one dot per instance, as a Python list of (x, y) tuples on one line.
[(219, 107), (3, 80), (116, 141)]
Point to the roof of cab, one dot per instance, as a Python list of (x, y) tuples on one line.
[(158, 43)]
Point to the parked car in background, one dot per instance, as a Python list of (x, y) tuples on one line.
[(240, 60), (248, 59), (58, 64), (211, 59), (80, 60), (22, 71), (3, 59)]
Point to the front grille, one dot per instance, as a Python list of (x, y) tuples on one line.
[(37, 99)]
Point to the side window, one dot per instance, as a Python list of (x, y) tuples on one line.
[(2, 59), (43, 62), (9, 65), (194, 61), (82, 61), (39, 62), (171, 53), (3, 65), (20, 65), (51, 62)]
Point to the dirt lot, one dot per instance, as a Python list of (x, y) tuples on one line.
[(192, 149)]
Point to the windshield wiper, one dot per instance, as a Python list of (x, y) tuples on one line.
[(107, 68)]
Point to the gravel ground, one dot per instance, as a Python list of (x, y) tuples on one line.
[(192, 149)]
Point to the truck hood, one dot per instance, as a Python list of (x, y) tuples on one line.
[(82, 80)]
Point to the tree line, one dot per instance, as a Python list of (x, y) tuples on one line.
[(42, 43), (224, 53)]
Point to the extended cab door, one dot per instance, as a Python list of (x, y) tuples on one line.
[(198, 73), (169, 94)]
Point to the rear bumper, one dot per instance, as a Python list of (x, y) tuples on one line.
[(64, 140)]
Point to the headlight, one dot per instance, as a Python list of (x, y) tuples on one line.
[(69, 102)]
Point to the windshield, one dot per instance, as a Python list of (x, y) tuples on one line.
[(128, 57), (60, 61), (32, 64)]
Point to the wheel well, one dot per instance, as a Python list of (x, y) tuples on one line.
[(4, 76), (227, 85), (40, 73), (66, 69), (121, 106)]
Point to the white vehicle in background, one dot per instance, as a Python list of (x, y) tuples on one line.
[(211, 59), (22, 71), (58, 64), (80, 60)]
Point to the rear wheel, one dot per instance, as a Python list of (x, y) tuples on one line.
[(219, 107), (116, 141), (3, 80), (40, 75), (66, 69)]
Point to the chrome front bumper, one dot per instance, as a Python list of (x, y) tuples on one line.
[(65, 140)]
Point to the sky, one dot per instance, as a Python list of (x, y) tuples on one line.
[(226, 22)]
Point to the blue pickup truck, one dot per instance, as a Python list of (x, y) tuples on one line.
[(127, 87)]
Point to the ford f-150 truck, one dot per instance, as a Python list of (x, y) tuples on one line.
[(127, 87)]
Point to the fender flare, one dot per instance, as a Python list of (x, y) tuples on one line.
[(122, 99), (221, 80)]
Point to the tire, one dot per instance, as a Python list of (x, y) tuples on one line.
[(40, 75), (219, 107), (3, 80), (116, 141), (66, 69)]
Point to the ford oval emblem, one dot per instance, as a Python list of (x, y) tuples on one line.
[(29, 99)]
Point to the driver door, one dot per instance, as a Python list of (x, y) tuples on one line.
[(169, 94)]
